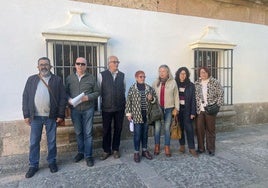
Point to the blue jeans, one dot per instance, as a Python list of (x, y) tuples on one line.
[(140, 136), (167, 122), (35, 138), (83, 127)]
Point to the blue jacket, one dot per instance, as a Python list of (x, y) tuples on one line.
[(57, 110)]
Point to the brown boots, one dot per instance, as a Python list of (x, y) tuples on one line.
[(167, 151), (182, 149), (156, 149), (193, 152)]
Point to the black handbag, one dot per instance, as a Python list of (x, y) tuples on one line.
[(212, 109), (154, 113)]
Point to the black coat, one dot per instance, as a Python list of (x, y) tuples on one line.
[(190, 103), (57, 110)]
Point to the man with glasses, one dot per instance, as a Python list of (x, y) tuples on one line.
[(112, 84), (84, 84), (43, 103)]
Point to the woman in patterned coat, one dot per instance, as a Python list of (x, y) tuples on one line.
[(139, 96), (208, 91)]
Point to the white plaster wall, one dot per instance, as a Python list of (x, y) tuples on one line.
[(141, 39)]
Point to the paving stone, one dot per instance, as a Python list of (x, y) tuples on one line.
[(240, 162)]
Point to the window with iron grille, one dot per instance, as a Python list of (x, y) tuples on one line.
[(64, 53), (220, 64)]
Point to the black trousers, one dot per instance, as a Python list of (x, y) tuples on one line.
[(186, 126), (117, 119)]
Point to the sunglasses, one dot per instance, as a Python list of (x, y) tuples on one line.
[(80, 64), (142, 76)]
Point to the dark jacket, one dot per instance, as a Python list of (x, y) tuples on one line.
[(87, 84), (57, 108), (113, 92), (190, 102)]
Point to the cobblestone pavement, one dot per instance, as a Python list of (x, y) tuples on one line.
[(241, 160)]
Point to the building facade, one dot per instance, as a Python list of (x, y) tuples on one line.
[(144, 36)]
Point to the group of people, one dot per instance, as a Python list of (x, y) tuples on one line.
[(45, 97), (177, 97)]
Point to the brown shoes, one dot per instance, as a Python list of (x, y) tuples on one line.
[(193, 152), (137, 158), (182, 149), (104, 156), (147, 155), (156, 149), (167, 151)]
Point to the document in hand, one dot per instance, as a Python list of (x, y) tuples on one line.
[(131, 126), (77, 100)]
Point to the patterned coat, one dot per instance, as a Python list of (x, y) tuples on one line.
[(215, 93), (133, 104)]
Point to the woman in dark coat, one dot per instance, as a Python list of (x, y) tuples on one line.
[(187, 109)]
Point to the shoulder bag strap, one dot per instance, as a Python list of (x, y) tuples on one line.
[(49, 89)]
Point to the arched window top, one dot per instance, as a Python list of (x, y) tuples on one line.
[(75, 30), (211, 39)]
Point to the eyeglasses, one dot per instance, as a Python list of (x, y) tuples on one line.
[(80, 64), (142, 76), (115, 62), (43, 65)]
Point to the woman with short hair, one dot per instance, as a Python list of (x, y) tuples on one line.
[(208, 91), (140, 95)]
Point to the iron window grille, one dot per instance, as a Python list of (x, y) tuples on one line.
[(220, 64), (64, 53)]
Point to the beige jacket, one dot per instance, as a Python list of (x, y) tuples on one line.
[(171, 93)]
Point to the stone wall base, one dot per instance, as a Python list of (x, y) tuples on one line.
[(14, 135)]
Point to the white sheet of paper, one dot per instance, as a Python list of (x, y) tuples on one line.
[(131, 126), (77, 100)]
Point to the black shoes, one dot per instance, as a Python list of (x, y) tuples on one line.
[(53, 167), (31, 172), (211, 153), (90, 161), (78, 157), (104, 156), (199, 151)]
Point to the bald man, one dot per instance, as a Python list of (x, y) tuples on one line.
[(82, 115)]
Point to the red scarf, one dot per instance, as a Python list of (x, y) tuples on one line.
[(162, 94)]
